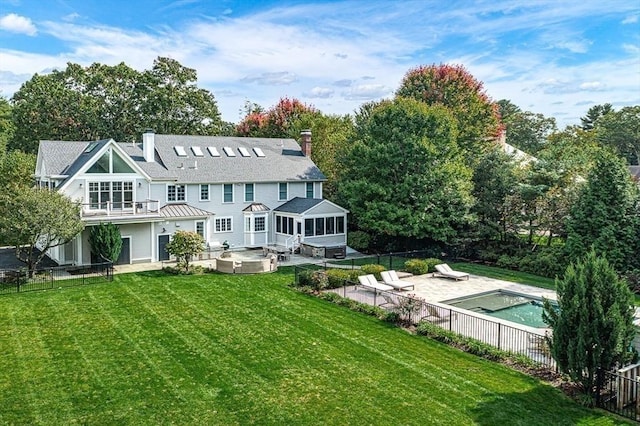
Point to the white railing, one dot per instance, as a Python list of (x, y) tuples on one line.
[(121, 208), (292, 242)]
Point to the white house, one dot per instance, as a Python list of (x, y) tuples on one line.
[(248, 192)]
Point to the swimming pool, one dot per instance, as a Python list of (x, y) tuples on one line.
[(502, 304)]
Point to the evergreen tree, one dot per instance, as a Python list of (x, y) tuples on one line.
[(105, 241), (606, 214), (593, 323)]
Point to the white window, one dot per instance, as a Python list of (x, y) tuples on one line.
[(204, 192), (244, 152), (197, 151), (213, 151), (249, 195), (260, 224), (200, 229), (180, 151), (283, 191), (176, 193), (118, 194), (258, 152), (229, 151), (224, 224), (227, 193)]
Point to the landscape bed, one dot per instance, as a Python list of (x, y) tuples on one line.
[(228, 349)]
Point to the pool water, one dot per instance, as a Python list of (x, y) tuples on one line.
[(507, 306)]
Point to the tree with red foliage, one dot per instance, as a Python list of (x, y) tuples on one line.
[(455, 88), (277, 122)]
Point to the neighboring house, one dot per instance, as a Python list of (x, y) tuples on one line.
[(248, 192)]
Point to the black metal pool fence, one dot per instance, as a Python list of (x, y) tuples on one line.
[(620, 392), (24, 280)]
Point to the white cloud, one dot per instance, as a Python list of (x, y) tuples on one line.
[(632, 49), (269, 78), (592, 85), (17, 24), (631, 19), (319, 92), (367, 92), (70, 17)]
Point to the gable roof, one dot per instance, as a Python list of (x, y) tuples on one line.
[(255, 159), (299, 205), (281, 160)]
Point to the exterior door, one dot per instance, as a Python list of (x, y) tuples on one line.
[(125, 252), (163, 240)]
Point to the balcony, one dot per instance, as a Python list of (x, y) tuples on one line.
[(115, 210)]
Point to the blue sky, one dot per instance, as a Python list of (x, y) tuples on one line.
[(552, 57)]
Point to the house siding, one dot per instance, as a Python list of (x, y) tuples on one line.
[(282, 163)]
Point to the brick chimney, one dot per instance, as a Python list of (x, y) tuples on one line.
[(149, 146), (305, 142)]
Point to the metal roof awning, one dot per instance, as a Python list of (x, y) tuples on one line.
[(182, 210)]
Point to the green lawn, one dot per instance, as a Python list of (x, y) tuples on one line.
[(506, 275), (229, 349)]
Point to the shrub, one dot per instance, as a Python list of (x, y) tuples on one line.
[(545, 261), (468, 344), (337, 277), (508, 262), (372, 269), (315, 280), (421, 266), (304, 279), (359, 240), (407, 308), (180, 270), (416, 266)]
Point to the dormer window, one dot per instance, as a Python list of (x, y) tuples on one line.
[(110, 162), (197, 151), (180, 152), (229, 151)]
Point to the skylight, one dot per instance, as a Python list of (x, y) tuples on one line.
[(213, 151), (244, 152), (197, 151), (91, 147), (258, 152), (180, 151), (229, 151)]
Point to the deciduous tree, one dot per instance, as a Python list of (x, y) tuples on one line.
[(6, 124), (620, 130), (453, 87), (184, 245), (525, 130), (593, 323), (38, 218), (118, 102), (404, 175)]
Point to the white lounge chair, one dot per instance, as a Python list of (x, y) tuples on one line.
[(370, 282), (391, 278), (446, 271)]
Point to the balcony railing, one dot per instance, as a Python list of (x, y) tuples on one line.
[(147, 208)]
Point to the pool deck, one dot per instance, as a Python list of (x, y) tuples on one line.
[(438, 289)]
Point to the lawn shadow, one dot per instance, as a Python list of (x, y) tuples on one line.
[(541, 405)]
